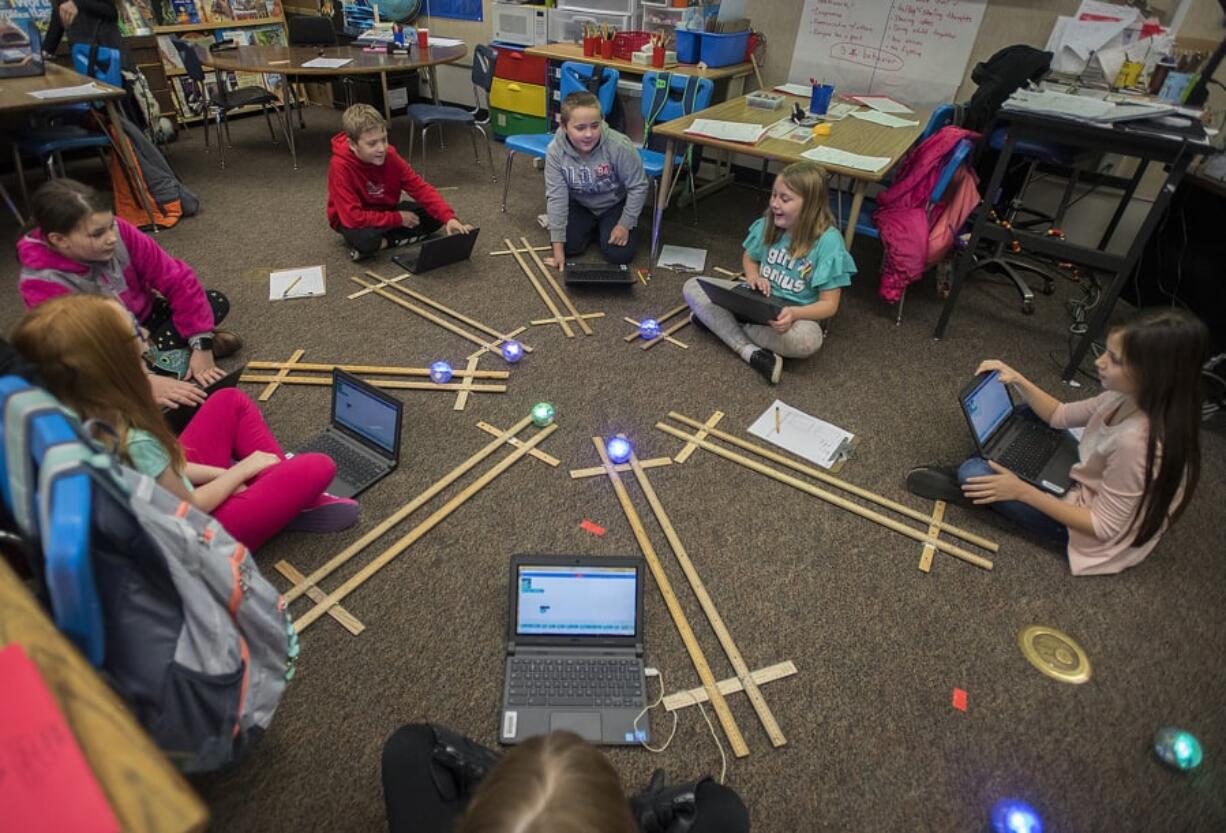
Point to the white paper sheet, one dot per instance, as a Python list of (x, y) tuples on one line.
[(445, 41), (803, 90), (327, 63), (729, 131), (882, 103), (802, 434), (682, 258), (884, 119), (66, 92), (303, 282), (834, 156)]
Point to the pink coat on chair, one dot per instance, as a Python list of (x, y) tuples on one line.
[(912, 239)]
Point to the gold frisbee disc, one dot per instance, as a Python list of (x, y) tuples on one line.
[(1055, 654)]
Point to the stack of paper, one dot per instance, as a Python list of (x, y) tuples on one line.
[(795, 89), (881, 103), (305, 282), (445, 41), (1052, 103), (327, 63), (884, 119), (67, 92), (802, 434), (843, 159), (728, 131)]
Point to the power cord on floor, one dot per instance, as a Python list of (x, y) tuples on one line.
[(723, 760)]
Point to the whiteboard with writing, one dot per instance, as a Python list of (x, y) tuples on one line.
[(911, 50)]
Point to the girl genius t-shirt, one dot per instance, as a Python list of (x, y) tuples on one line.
[(799, 280)]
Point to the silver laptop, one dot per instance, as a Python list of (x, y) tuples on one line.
[(438, 251), (575, 649), (364, 437), (1015, 437)]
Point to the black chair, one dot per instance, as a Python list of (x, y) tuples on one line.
[(314, 30), (219, 102), (426, 116)]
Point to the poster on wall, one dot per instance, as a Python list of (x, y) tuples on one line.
[(914, 51)]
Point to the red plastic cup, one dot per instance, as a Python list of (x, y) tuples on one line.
[(657, 56), (589, 46), (606, 48), (423, 38)]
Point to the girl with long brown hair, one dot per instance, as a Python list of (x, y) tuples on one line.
[(87, 350), (793, 252), (1139, 454)]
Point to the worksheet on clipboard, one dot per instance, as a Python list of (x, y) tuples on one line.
[(803, 434)]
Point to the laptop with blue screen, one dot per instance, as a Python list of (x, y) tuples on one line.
[(363, 438), (1015, 437), (575, 649)]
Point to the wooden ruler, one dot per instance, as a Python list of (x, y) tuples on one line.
[(735, 740), (372, 369), (830, 497), (545, 457), (540, 290), (566, 301), (677, 310), (599, 471), (934, 529), (272, 386), (389, 384), (694, 696), (712, 421), (708, 607)]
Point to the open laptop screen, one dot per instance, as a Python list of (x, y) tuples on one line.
[(576, 601), (987, 406), (365, 415)]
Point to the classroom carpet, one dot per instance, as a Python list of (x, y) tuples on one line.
[(874, 741)]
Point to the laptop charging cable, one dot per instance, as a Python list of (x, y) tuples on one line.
[(723, 759)]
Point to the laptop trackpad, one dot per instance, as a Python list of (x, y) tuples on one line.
[(584, 724)]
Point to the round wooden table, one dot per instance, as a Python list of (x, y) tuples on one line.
[(290, 61)]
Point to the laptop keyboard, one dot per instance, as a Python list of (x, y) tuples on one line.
[(1030, 449), (575, 682), (356, 468)]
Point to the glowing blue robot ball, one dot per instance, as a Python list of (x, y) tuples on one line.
[(649, 329), (619, 449), (440, 373), (1012, 815), (512, 351)]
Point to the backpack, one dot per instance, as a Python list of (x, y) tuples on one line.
[(169, 607)]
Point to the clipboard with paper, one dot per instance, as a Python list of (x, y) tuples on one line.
[(816, 440)]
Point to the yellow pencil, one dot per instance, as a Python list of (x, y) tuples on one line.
[(777, 430), (292, 284)]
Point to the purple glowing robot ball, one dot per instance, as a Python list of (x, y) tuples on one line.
[(649, 329), (440, 373), (619, 449), (512, 351)]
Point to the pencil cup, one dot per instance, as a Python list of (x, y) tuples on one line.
[(606, 48), (423, 38), (819, 101), (657, 56), (589, 46)]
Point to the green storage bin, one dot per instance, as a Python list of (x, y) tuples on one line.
[(507, 123)]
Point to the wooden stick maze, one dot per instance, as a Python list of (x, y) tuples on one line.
[(556, 315)]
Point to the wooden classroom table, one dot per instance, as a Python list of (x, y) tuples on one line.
[(849, 134), (289, 60), (15, 97)]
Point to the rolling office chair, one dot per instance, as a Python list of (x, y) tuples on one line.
[(575, 77), (221, 101), (48, 143), (1003, 260), (678, 102), (315, 30), (426, 116)]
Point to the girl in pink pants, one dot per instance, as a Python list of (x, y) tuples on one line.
[(88, 348)]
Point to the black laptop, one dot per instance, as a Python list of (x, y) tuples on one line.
[(178, 417), (575, 649), (1015, 437), (590, 273), (364, 437), (438, 251), (742, 300)]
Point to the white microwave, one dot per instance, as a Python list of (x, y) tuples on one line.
[(521, 25)]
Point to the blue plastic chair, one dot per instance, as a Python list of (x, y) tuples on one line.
[(674, 108), (574, 78), (426, 116), (864, 223), (48, 143), (64, 535)]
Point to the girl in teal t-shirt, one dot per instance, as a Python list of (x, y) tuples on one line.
[(793, 252)]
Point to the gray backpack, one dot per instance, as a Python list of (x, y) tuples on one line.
[(168, 606)]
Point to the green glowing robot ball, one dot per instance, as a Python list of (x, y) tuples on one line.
[(542, 414), (1177, 748)]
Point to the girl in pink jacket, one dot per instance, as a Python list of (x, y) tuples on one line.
[(79, 245)]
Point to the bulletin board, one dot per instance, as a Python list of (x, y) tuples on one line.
[(912, 50)]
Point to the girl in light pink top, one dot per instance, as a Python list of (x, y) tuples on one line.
[(1139, 455)]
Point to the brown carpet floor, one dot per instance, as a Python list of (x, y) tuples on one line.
[(872, 740)]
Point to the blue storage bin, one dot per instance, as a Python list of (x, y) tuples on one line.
[(688, 44), (722, 50)]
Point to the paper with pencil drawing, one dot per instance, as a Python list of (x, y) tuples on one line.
[(803, 435), (729, 131), (303, 282)]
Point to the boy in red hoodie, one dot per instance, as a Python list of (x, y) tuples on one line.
[(365, 179)]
